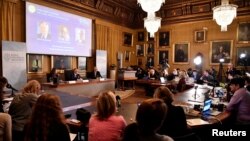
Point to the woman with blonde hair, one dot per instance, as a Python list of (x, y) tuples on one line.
[(21, 108), (47, 122), (105, 125)]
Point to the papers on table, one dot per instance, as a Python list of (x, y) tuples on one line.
[(72, 136), (196, 121)]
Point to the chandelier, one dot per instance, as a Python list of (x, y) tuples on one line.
[(151, 22), (224, 14)]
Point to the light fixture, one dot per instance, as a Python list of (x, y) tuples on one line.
[(224, 14), (151, 22), (197, 60), (242, 55), (221, 60)]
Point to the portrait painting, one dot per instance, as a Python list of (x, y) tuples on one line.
[(127, 39), (127, 56), (163, 57), (200, 36), (150, 49), (150, 38), (61, 62), (140, 50), (82, 63), (140, 36), (139, 62), (35, 63), (181, 53), (220, 50), (243, 56), (150, 62), (243, 35), (164, 39)]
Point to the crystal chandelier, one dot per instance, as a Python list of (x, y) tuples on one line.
[(151, 22), (224, 14)]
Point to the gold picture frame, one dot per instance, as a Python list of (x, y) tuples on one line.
[(61, 62), (127, 39), (127, 56), (181, 53), (35, 63), (221, 49), (200, 36), (140, 36), (243, 32), (140, 50)]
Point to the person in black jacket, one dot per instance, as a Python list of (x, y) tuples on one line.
[(175, 123), (3, 83), (95, 74), (75, 75)]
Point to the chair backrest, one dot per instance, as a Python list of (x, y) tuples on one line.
[(67, 75), (187, 137), (48, 77)]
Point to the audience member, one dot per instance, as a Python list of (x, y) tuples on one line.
[(239, 104), (152, 74), (83, 115), (95, 73), (149, 118), (21, 108), (3, 83), (182, 81), (75, 75), (105, 125), (207, 78), (231, 72), (47, 122), (5, 127), (175, 123), (52, 76)]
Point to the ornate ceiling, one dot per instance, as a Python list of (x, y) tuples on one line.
[(128, 13)]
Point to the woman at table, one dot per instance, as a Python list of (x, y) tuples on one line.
[(3, 83), (175, 123), (105, 125), (47, 122)]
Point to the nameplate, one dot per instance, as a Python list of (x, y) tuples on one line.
[(102, 79), (71, 82), (85, 80)]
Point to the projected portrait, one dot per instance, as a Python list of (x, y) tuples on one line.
[(80, 35), (43, 30), (63, 33)]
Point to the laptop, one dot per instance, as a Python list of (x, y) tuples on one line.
[(206, 111), (162, 80)]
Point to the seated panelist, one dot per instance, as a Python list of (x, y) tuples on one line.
[(95, 74), (75, 75)]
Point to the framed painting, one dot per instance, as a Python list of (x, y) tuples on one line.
[(243, 56), (150, 39), (163, 57), (140, 50), (164, 38), (200, 36), (81, 63), (35, 63), (140, 36), (61, 62), (150, 62), (181, 53), (127, 56), (150, 49), (243, 32), (139, 62), (127, 39), (220, 50)]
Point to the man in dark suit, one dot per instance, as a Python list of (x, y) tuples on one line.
[(75, 75), (95, 74), (43, 31)]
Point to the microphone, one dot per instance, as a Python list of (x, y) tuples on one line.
[(118, 100), (10, 87)]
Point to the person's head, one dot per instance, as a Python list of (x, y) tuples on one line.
[(106, 105), (3, 80), (206, 72), (46, 112), (165, 94), (75, 70), (236, 83), (151, 71), (182, 74), (150, 115), (53, 71), (33, 86), (221, 49), (95, 68), (44, 28), (230, 66)]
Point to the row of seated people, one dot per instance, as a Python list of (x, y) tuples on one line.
[(71, 75), (41, 117)]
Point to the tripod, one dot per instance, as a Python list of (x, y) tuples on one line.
[(221, 73)]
